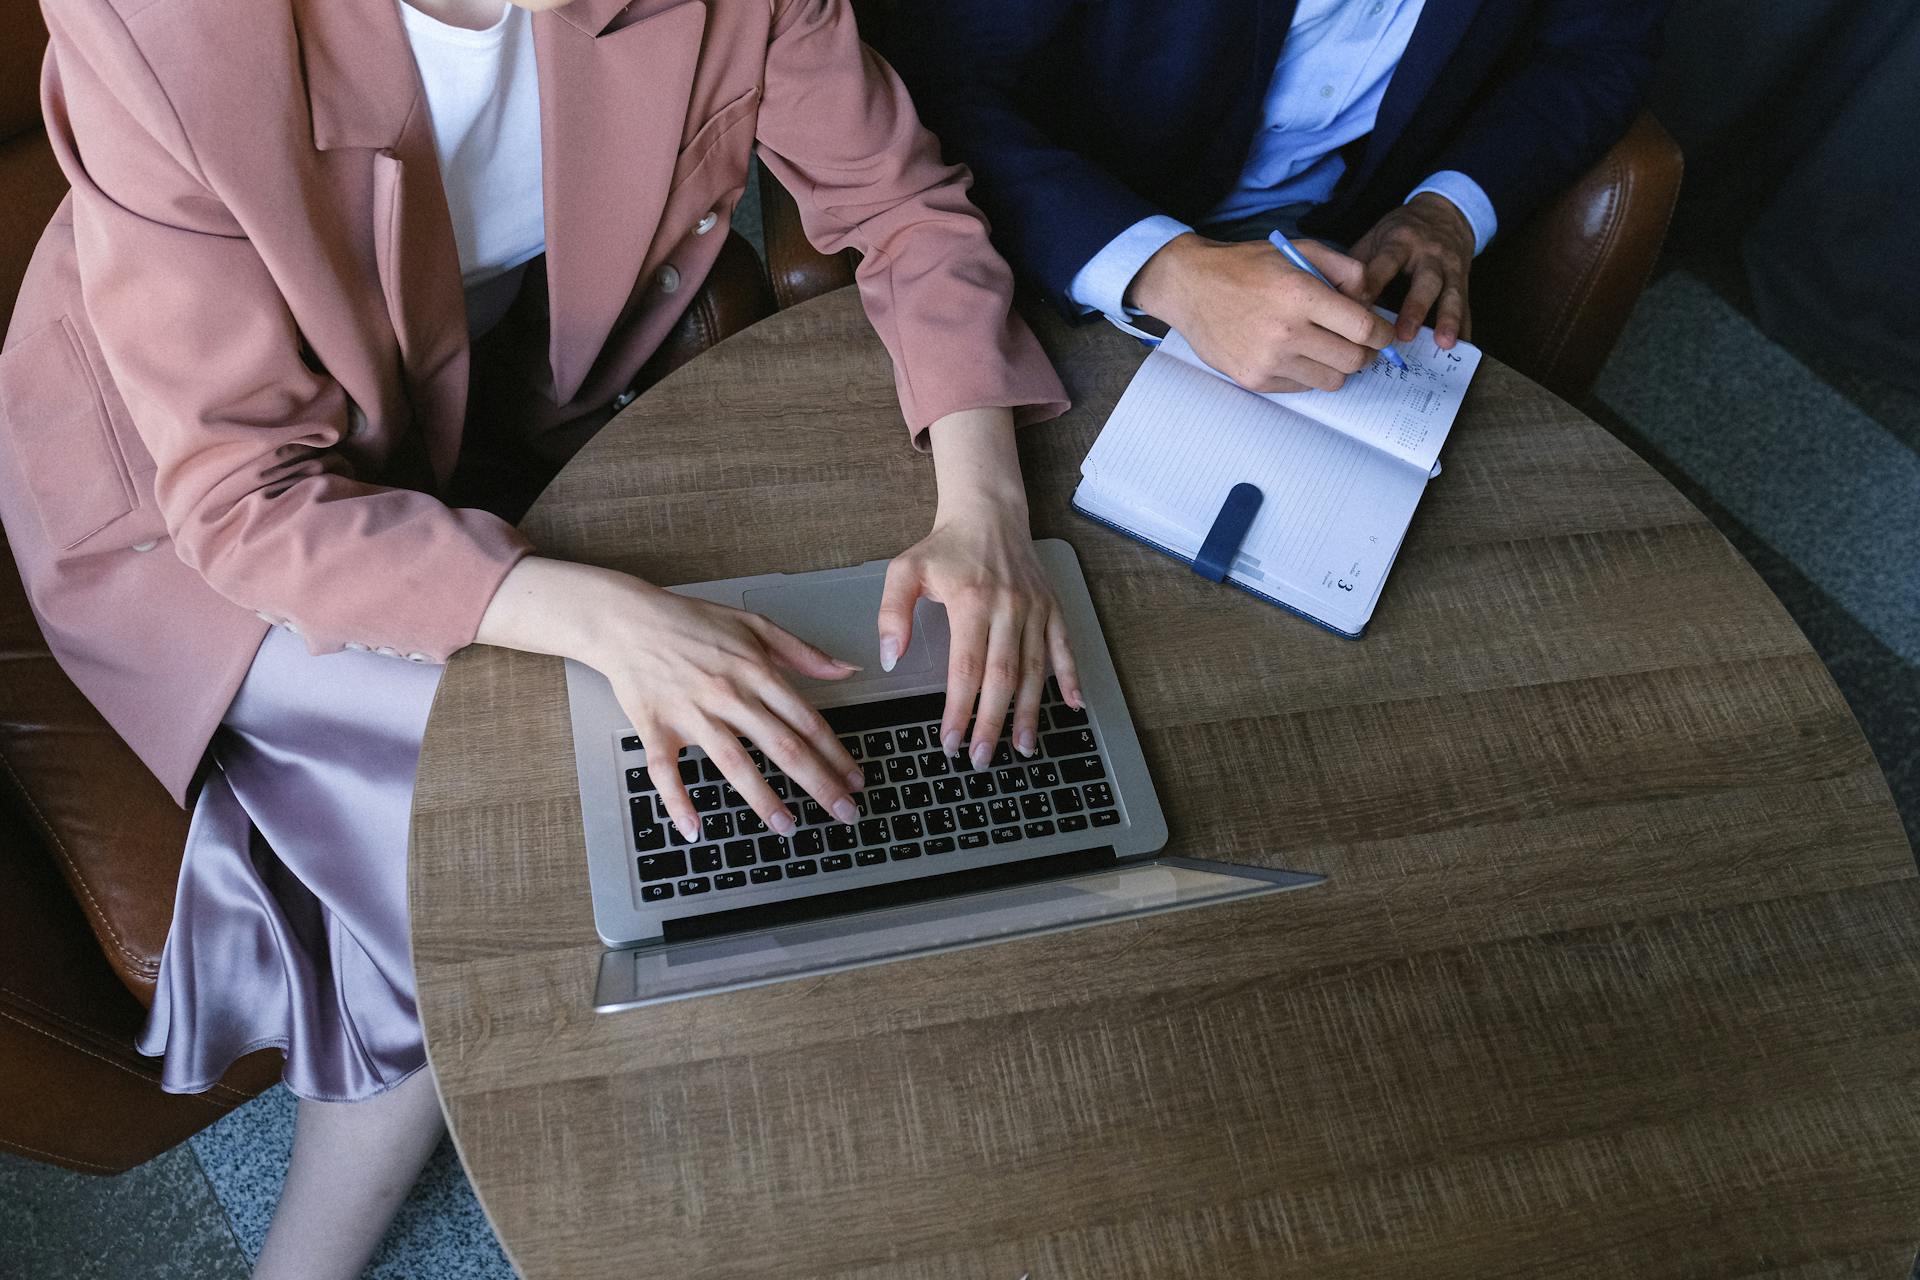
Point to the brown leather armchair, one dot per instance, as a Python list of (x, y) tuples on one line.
[(1549, 297), (90, 843)]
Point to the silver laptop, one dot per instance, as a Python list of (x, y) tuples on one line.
[(944, 855)]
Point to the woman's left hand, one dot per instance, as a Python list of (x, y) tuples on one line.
[(1005, 626)]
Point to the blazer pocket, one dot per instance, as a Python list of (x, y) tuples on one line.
[(711, 139), (62, 435)]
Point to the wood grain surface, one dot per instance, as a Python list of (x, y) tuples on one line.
[(1614, 974)]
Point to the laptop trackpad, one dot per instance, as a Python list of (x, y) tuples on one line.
[(842, 616)]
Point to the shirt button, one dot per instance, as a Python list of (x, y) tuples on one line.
[(1326, 91), (706, 224), (625, 398), (148, 545), (669, 279), (1375, 11), (354, 646)]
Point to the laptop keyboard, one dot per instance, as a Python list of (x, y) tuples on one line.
[(918, 802)]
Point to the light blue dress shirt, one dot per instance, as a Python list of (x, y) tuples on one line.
[(1325, 92)]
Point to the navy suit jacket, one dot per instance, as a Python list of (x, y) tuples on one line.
[(1080, 117)]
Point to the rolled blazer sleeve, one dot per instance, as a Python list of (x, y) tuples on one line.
[(838, 129), (206, 354)]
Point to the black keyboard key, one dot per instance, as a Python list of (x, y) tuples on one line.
[(981, 785), (883, 800), (934, 764), (780, 786), (655, 892), (1106, 817), (1043, 776), (1011, 780), (729, 798), (706, 858), (716, 826), (1085, 769), (901, 852), (809, 842), (972, 839), (873, 831), (811, 814), (1036, 806), (902, 769), (906, 826), (949, 791), (878, 743), (663, 866), (674, 839), (1066, 717), (940, 822), (873, 773), (836, 862), (738, 853), (916, 795), (1002, 755), (1051, 690), (774, 849), (638, 779), (1069, 742), (698, 884), (764, 875), (630, 743), (731, 880), (943, 844), (851, 741), (1067, 800), (870, 857), (709, 771), (911, 738), (1003, 835), (749, 823), (1042, 720), (705, 799), (840, 836), (1035, 830), (797, 869), (758, 757), (1004, 810), (972, 816), (1098, 795), (1074, 822), (689, 772), (648, 833)]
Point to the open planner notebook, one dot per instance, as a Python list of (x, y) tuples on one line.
[(1339, 473)]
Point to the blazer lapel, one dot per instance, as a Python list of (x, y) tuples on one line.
[(364, 93), (615, 80)]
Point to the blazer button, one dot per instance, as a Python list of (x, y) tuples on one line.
[(669, 278), (267, 618), (418, 657), (706, 224), (354, 646), (386, 652), (625, 398), (148, 545)]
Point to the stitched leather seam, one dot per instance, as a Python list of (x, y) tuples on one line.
[(138, 964), (101, 1057), (80, 1028), (10, 1144), (1619, 188)]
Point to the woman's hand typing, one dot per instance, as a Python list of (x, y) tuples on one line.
[(687, 673), (1005, 625)]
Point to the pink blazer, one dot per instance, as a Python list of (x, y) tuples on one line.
[(238, 369)]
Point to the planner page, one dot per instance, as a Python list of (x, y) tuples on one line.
[(1333, 510), (1405, 412)]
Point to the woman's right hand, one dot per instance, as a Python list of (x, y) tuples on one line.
[(688, 673)]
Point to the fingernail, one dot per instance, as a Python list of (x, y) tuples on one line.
[(982, 752), (889, 653), (844, 810), (782, 823), (856, 779), (1025, 742), (950, 742), (691, 830), (850, 666), (1073, 696)]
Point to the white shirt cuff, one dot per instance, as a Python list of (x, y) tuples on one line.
[(1101, 285), (1466, 196)]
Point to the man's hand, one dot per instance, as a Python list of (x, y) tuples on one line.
[(1430, 240), (1257, 318)]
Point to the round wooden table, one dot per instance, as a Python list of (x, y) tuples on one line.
[(1614, 973)]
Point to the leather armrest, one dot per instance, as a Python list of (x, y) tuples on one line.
[(1551, 298), (797, 269)]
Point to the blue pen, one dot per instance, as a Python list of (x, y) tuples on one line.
[(1299, 260)]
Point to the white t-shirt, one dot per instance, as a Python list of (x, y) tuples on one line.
[(483, 97)]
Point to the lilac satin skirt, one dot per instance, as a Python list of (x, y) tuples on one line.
[(290, 924)]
